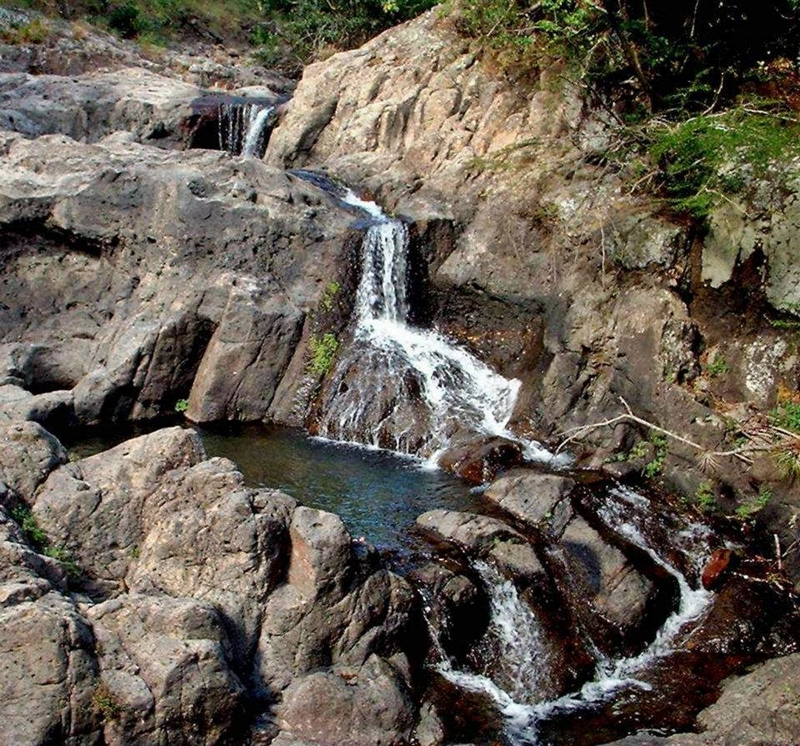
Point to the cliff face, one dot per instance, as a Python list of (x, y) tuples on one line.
[(545, 259)]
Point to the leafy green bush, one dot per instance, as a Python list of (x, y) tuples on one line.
[(295, 32)]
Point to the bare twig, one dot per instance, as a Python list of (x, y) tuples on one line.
[(577, 433), (778, 554)]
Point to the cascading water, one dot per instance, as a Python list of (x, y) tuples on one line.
[(402, 388), (243, 128), (510, 683)]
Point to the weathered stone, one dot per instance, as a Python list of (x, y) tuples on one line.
[(485, 537), (28, 454), (165, 668), (95, 508), (207, 537), (366, 706), (539, 500), (47, 668), (605, 576)]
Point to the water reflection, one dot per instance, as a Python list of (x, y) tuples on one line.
[(377, 494)]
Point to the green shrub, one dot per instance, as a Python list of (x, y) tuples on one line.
[(705, 498), (747, 511), (702, 158), (654, 467), (787, 416), (34, 534), (181, 405)]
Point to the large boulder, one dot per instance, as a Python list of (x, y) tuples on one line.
[(98, 299), (96, 507), (165, 669), (488, 538)]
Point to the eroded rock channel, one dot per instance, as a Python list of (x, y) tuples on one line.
[(151, 594)]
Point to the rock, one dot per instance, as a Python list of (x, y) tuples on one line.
[(716, 568), (481, 462), (116, 320), (301, 634), (151, 106), (606, 579), (246, 358), (47, 668), (96, 509), (368, 706), (539, 500), (207, 537), (165, 670), (53, 409), (455, 608), (28, 454), (486, 537)]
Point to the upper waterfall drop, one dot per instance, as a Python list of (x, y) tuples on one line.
[(242, 128), (403, 388)]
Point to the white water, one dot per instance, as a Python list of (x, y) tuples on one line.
[(242, 128), (458, 391), (512, 620)]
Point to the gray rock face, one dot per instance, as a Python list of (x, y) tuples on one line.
[(213, 598), (485, 537), (28, 454), (165, 671), (116, 321), (47, 668), (606, 578), (96, 508), (146, 104)]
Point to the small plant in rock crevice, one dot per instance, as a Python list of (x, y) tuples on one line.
[(38, 539), (323, 350), (705, 498), (747, 511), (655, 467), (181, 405), (105, 704)]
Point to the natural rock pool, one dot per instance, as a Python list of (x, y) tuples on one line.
[(377, 494)]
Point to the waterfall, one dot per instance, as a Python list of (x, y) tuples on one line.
[(243, 128), (406, 389)]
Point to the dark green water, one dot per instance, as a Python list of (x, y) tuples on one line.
[(377, 494)]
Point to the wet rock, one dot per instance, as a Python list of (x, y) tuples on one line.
[(165, 669), (605, 579), (539, 500), (481, 536), (716, 567), (480, 462), (455, 608)]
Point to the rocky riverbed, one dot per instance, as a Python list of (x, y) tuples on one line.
[(148, 595)]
